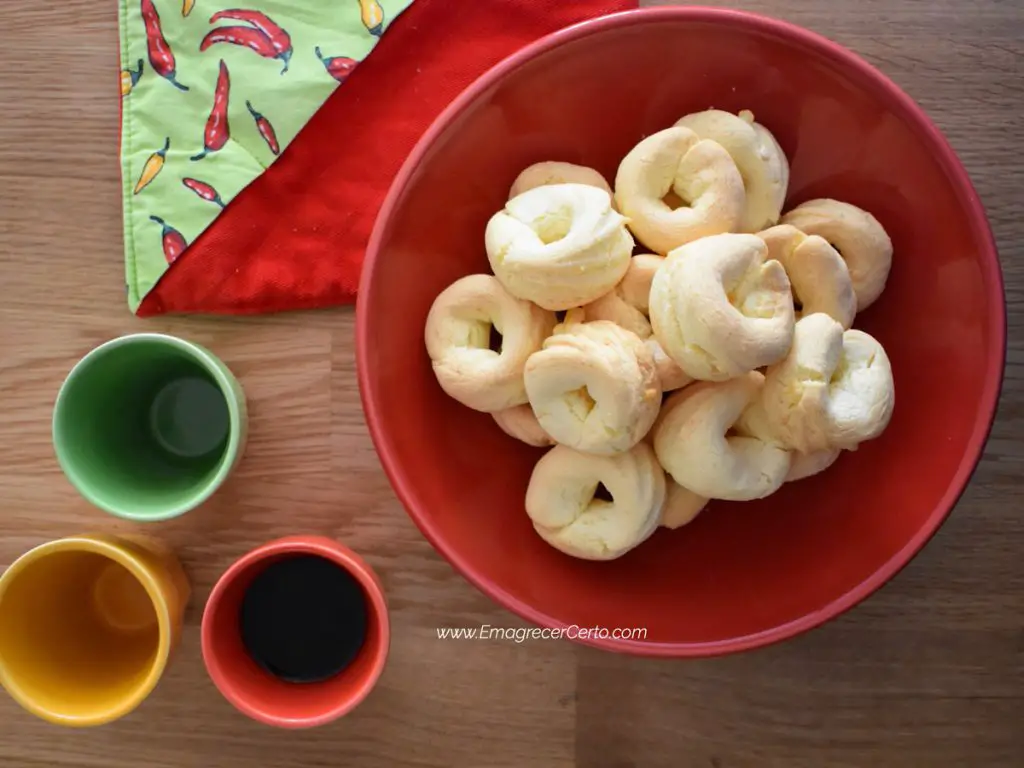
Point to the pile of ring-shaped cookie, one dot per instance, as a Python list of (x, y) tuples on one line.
[(719, 363)]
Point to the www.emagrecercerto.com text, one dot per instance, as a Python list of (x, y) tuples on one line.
[(522, 634)]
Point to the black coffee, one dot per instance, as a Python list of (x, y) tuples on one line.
[(303, 619)]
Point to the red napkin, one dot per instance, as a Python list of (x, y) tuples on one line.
[(294, 239)]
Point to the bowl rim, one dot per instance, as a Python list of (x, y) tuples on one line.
[(899, 103)]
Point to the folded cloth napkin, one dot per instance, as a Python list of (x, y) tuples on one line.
[(211, 93), (219, 218)]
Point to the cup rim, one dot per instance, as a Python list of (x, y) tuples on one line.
[(112, 550), (212, 365), (900, 103), (337, 553)]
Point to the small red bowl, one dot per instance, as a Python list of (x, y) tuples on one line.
[(742, 575), (257, 693)]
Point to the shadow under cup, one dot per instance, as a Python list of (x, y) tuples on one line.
[(267, 698), (148, 426)]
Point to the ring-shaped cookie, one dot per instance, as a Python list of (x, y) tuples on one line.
[(670, 375), (521, 423), (805, 465), (559, 246), (458, 339), (614, 308), (681, 506), (561, 503), (594, 387), (693, 443), (635, 287), (754, 422), (556, 172), (857, 235), (861, 392), (707, 187), (760, 160), (833, 390), (719, 308), (819, 276)]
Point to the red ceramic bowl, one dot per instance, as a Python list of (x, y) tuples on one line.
[(742, 575)]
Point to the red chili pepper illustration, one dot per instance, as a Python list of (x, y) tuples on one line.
[(173, 241), (339, 67), (217, 128), (265, 128), (204, 190), (277, 36), (250, 38), (160, 54), (267, 39)]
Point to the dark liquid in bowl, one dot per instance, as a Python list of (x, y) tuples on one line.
[(303, 619)]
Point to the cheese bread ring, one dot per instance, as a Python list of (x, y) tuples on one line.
[(770, 141), (555, 172), (594, 387), (670, 375), (614, 308), (636, 285), (754, 422), (458, 335), (720, 309), (861, 392), (819, 276), (857, 235), (796, 389), (833, 390), (559, 246), (761, 162), (560, 500), (627, 306), (681, 506), (692, 443), (701, 175), (521, 423)]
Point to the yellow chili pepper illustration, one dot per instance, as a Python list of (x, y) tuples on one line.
[(154, 164), (372, 16), (187, 6), (129, 77)]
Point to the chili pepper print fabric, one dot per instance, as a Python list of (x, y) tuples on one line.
[(212, 92)]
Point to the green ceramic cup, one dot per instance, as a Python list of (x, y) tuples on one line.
[(148, 426)]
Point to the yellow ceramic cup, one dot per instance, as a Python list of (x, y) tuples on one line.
[(87, 626)]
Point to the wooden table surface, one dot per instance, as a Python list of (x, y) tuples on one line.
[(928, 672)]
